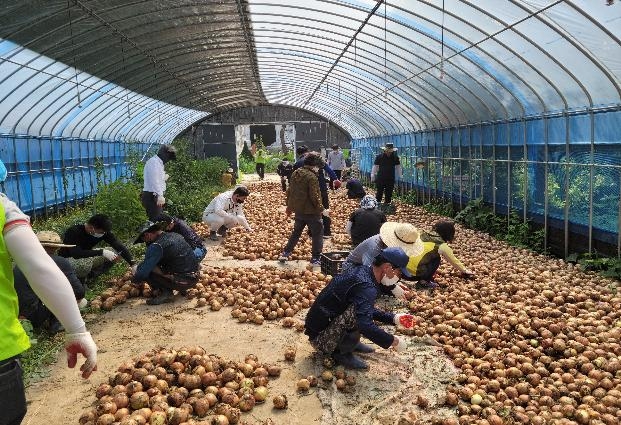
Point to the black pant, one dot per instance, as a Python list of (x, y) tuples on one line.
[(178, 281), (149, 202), (12, 396), (387, 186), (338, 173), (260, 170), (315, 226), (327, 221), (283, 183)]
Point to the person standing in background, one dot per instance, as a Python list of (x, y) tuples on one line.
[(18, 243), (385, 167), (259, 160), (336, 161), (152, 196), (284, 170)]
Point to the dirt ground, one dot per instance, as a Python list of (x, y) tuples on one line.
[(385, 394)]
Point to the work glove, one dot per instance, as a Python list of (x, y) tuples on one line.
[(404, 319), (109, 255), (160, 201), (81, 343), (288, 211), (166, 176), (399, 291), (401, 345), (336, 184), (326, 213), (467, 274)]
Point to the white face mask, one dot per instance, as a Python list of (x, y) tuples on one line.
[(98, 235), (390, 281), (315, 169)]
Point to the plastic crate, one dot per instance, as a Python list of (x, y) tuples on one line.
[(331, 262)]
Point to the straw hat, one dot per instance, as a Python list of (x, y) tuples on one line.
[(50, 238), (404, 235)]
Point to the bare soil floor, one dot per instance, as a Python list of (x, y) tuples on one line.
[(385, 394)]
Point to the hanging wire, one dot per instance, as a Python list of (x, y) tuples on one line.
[(442, 47), (385, 63), (75, 69), (356, 66), (129, 113)]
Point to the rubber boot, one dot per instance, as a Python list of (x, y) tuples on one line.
[(222, 231), (213, 236), (359, 347), (343, 354)]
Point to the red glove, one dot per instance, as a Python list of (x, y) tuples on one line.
[(336, 184), (288, 211)]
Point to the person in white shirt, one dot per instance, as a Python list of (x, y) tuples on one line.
[(336, 160), (226, 211), (155, 177)]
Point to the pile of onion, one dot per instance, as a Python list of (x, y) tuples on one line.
[(535, 339), (180, 387), (258, 294)]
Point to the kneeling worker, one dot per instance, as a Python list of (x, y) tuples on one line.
[(345, 309), (169, 263)]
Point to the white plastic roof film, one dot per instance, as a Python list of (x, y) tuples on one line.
[(145, 70)]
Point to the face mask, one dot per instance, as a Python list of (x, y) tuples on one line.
[(315, 169), (240, 201), (390, 281), (3, 172), (98, 235)]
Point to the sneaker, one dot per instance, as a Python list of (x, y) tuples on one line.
[(165, 297), (327, 236), (349, 361), (363, 348), (82, 304), (213, 236), (284, 257), (315, 262), (426, 284)]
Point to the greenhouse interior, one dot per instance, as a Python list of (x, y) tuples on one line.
[(125, 122)]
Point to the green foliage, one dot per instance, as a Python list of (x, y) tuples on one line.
[(192, 183), (512, 229), (606, 266), (435, 206), (36, 359), (120, 201)]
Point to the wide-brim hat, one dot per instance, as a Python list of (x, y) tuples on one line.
[(149, 226), (51, 238), (389, 147), (403, 235)]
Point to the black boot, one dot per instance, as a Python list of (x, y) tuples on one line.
[(55, 326), (165, 297), (222, 231), (343, 354)]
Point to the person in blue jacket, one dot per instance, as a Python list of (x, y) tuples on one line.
[(301, 151), (345, 309)]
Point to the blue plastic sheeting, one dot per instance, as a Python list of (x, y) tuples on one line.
[(51, 173), (565, 167)]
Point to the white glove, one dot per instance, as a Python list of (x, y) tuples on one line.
[(326, 213), (160, 201), (81, 343), (249, 229), (399, 292), (166, 176), (401, 345), (407, 317), (109, 255)]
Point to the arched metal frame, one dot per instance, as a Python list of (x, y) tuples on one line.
[(146, 69)]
